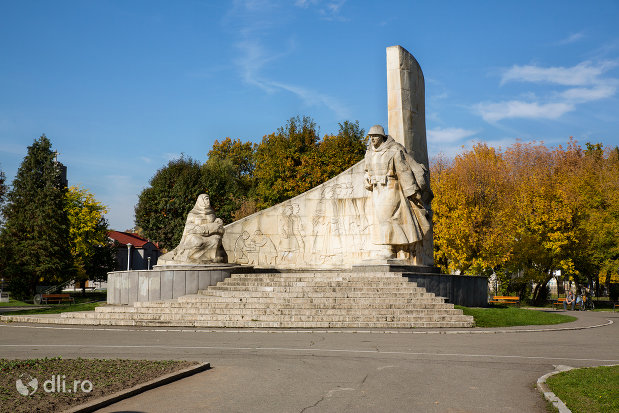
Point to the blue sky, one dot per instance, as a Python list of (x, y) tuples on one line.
[(121, 87)]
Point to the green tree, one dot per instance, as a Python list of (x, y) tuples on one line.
[(295, 160), (278, 159), (163, 207), (3, 252), (240, 154), (242, 177), (224, 186), (229, 177), (332, 155), (93, 256), (36, 232), (3, 191)]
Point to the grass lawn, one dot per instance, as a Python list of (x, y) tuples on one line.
[(14, 303), (105, 377), (512, 316), (591, 390), (60, 308)]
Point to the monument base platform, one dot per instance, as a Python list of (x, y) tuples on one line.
[(197, 267), (166, 282), (466, 290), (394, 266), (469, 291), (312, 299)]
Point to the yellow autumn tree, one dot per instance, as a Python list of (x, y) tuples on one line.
[(595, 188), (473, 218), (528, 211), (92, 254), (546, 215)]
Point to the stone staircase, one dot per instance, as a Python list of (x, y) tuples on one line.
[(291, 300)]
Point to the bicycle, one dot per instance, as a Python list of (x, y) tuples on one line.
[(587, 303)]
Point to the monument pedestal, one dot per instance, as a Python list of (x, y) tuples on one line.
[(394, 265), (166, 282), (466, 290), (197, 267)]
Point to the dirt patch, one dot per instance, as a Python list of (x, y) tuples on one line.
[(55, 384)]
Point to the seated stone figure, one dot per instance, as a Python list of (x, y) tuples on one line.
[(201, 240)]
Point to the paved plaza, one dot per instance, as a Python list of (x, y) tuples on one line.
[(448, 370)]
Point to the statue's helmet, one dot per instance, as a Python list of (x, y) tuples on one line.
[(376, 130)]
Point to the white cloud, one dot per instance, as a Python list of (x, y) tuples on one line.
[(581, 95), (492, 112), (305, 3), (451, 151), (574, 37), (329, 10), (448, 135), (172, 156), (585, 81), (333, 7), (585, 73), (313, 98), (253, 59)]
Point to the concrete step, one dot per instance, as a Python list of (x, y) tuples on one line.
[(270, 317), (264, 324), (462, 323), (287, 287), (334, 273), (322, 301), (277, 311), (290, 300), (310, 293), (314, 278), (317, 301), (318, 284), (217, 306)]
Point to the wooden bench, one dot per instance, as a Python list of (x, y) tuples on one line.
[(560, 301), (500, 299), (58, 298)]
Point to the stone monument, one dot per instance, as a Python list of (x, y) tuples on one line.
[(341, 223), (401, 196), (201, 240), (406, 108), (373, 220)]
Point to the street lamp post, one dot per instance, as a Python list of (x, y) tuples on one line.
[(129, 256)]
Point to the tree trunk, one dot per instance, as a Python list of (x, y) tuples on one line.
[(538, 289)]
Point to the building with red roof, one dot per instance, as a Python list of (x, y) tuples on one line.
[(142, 252)]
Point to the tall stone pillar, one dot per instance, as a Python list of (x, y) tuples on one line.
[(406, 103), (407, 123)]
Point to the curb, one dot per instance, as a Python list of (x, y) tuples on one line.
[(135, 390), (498, 330), (550, 396)]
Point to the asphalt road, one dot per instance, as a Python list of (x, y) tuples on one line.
[(338, 371)]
